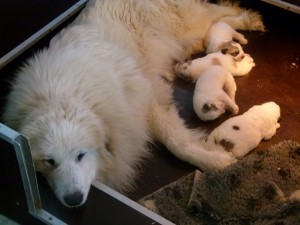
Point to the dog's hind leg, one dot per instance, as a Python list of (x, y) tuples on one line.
[(188, 145)]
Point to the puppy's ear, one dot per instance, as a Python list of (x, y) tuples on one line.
[(208, 107)]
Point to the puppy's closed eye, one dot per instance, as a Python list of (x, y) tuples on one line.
[(236, 53)]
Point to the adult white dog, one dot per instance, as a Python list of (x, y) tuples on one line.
[(90, 102)]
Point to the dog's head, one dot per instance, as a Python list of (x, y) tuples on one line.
[(232, 48), (211, 110), (68, 148)]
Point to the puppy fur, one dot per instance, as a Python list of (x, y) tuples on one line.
[(243, 133), (214, 93)]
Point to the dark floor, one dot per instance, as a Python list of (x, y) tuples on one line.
[(275, 78)]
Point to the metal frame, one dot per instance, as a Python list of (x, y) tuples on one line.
[(284, 5), (29, 180), (24, 158)]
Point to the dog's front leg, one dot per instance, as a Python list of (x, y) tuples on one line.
[(188, 145)]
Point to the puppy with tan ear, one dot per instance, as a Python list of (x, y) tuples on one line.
[(241, 134), (221, 37), (192, 69), (214, 93)]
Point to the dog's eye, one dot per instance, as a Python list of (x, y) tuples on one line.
[(50, 162), (80, 156)]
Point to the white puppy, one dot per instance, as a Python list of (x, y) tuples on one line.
[(214, 94), (191, 70), (222, 37), (243, 133)]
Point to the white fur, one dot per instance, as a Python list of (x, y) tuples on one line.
[(191, 70), (243, 133), (100, 89), (222, 37), (214, 93)]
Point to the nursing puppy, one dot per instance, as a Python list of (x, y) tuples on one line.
[(214, 93), (192, 69), (91, 101), (221, 37), (243, 133)]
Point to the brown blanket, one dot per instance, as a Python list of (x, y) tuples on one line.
[(260, 189)]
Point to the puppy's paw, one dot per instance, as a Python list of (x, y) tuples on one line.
[(235, 109), (239, 38), (182, 67), (184, 71)]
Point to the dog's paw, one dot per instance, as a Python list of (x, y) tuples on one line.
[(208, 156), (220, 159)]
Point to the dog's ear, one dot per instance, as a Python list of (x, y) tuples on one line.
[(208, 107)]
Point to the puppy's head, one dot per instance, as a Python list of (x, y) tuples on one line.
[(232, 48), (270, 110), (211, 110), (68, 148)]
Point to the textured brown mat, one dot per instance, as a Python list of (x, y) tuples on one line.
[(261, 189)]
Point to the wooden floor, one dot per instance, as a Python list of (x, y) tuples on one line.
[(275, 78)]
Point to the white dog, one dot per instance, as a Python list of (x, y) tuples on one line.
[(243, 133), (214, 93), (91, 101), (192, 69), (221, 37)]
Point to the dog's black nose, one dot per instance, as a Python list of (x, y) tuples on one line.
[(74, 199)]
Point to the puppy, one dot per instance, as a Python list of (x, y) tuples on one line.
[(243, 133), (192, 69), (214, 94), (222, 37)]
